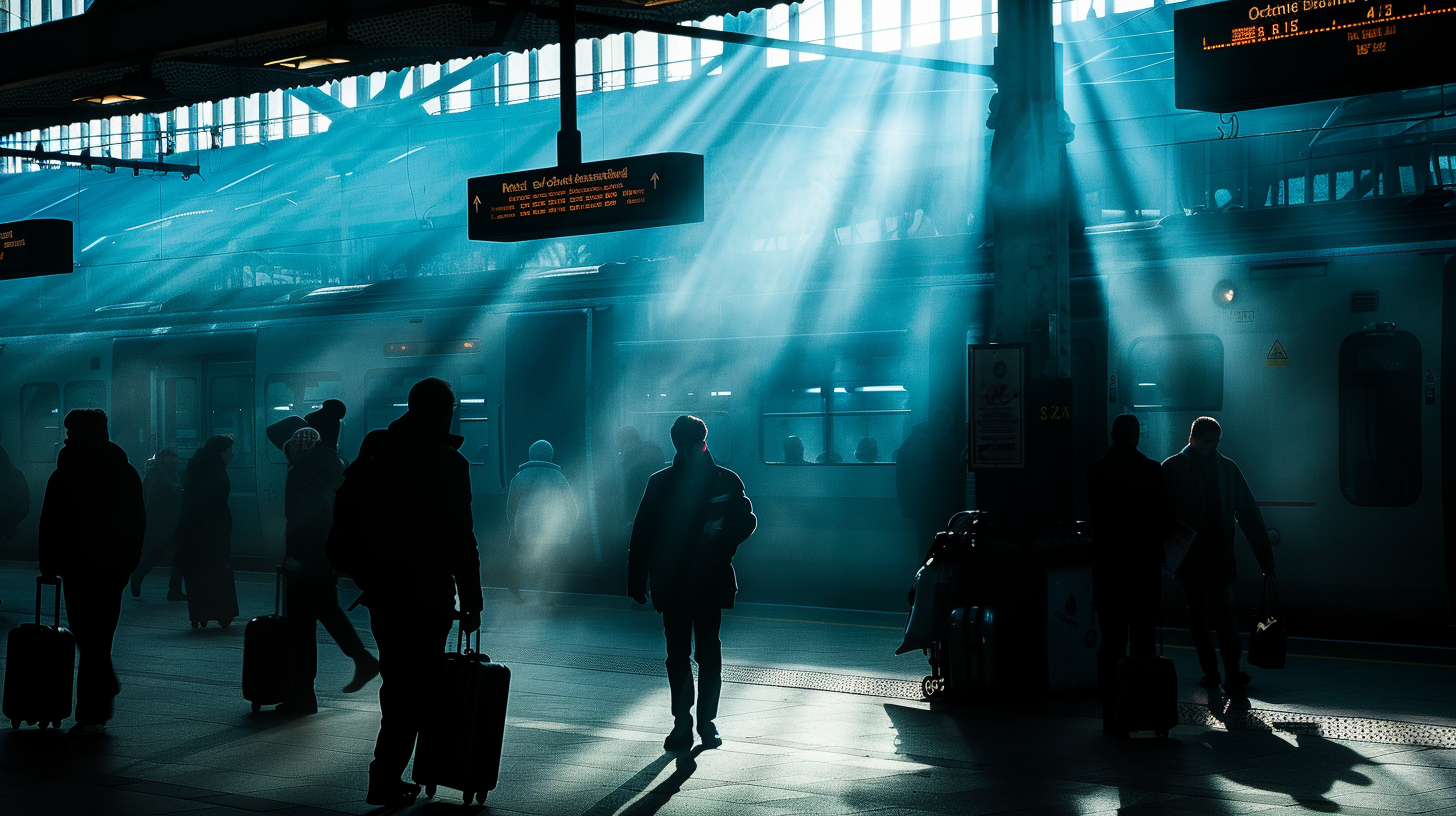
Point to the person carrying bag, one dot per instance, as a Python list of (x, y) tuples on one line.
[(1269, 640)]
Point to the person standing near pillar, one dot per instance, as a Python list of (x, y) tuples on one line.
[(92, 523), (1131, 514), (692, 519), (162, 489)]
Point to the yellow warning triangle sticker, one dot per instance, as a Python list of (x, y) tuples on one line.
[(1277, 356)]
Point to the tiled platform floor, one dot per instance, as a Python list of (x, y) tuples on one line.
[(589, 709)]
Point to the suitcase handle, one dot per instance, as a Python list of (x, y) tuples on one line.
[(462, 644), (41, 580), (280, 605)]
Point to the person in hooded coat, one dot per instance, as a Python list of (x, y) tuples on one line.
[(92, 523), (315, 473), (692, 519), (403, 531), (205, 531), (541, 513), (162, 489)]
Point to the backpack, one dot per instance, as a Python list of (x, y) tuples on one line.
[(357, 543)]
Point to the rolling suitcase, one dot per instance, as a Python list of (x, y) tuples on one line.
[(1147, 694), (461, 748), (212, 595), (40, 664), (268, 656)]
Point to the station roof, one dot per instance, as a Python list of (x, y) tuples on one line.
[(203, 52)]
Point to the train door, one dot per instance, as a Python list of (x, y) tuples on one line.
[(546, 396), (175, 392)]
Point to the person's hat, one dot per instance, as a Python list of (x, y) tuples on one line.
[(326, 420), (281, 431)]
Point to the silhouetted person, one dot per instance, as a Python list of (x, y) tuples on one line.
[(1131, 515), (829, 457), (868, 450), (205, 525), (1209, 493), (403, 531), (14, 496), (162, 489), (794, 451), (314, 474), (540, 514), (930, 476), (91, 527), (693, 516)]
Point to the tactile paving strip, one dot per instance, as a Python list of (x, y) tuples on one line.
[(1357, 729)]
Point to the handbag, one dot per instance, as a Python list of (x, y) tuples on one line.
[(1269, 640)]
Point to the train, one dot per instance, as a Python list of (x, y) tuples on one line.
[(1319, 336)]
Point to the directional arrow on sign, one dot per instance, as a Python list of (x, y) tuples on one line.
[(476, 202), (654, 181)]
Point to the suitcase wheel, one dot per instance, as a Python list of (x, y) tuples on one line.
[(57, 724), (44, 725), (480, 798), (932, 687), (430, 791), (468, 795), (225, 623), (257, 707), (199, 624), (1163, 734)]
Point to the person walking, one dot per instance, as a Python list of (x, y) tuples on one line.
[(541, 513), (1209, 493), (403, 531), (692, 519), (92, 523), (205, 532), (162, 490), (1131, 515), (315, 473)]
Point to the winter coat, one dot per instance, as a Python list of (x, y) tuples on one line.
[(1131, 511), (541, 510), (1211, 557), (308, 506), (691, 521), (205, 527), (92, 520), (930, 478), (163, 493), (402, 522)]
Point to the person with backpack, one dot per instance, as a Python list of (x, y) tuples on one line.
[(403, 531)]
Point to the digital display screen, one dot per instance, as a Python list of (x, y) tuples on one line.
[(41, 246), (1235, 56), (656, 190)]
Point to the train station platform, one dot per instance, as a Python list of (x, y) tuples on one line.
[(818, 717)]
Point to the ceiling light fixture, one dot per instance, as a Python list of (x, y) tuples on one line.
[(133, 87), (336, 49)]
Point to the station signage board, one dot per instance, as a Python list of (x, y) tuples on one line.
[(656, 190), (40, 246), (1245, 54)]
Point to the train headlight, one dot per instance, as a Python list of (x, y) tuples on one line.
[(1225, 293)]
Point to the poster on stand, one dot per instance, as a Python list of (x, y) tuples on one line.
[(997, 400)]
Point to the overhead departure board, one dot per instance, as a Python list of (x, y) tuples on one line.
[(41, 246), (656, 190), (1241, 54)]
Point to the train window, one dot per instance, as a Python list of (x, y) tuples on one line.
[(852, 423), (1177, 372), (288, 394), (85, 394), (40, 421), (232, 415), (1380, 419)]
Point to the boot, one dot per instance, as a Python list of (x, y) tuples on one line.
[(366, 668)]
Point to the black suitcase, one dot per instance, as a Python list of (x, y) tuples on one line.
[(40, 663), (1146, 698), (268, 655), (212, 595), (461, 747)]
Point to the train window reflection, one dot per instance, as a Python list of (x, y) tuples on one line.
[(85, 394), (40, 421), (232, 415), (297, 393), (1380, 419), (835, 424), (1177, 372)]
